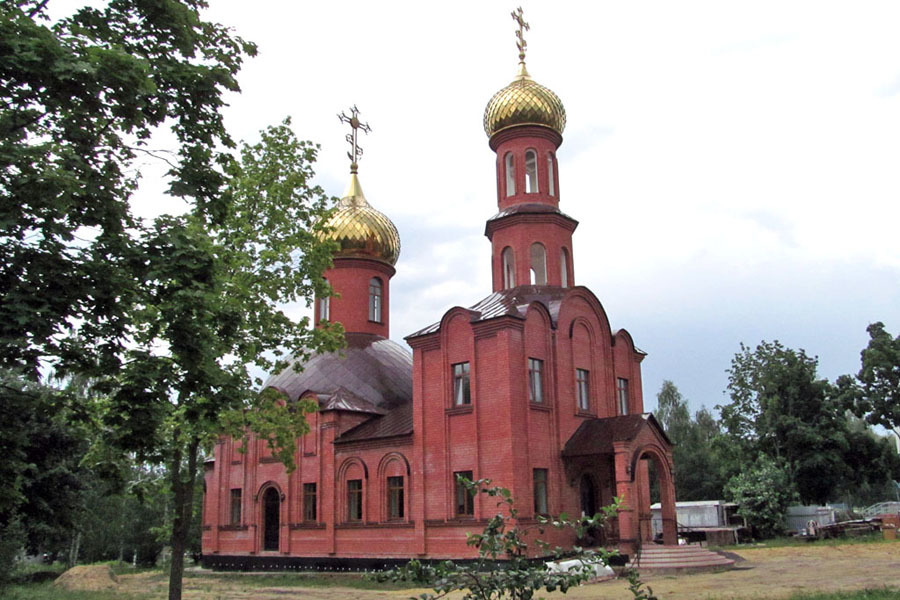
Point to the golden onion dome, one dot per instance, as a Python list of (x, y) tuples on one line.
[(361, 231), (524, 102)]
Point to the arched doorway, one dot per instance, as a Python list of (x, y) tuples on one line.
[(588, 496), (653, 480), (271, 519)]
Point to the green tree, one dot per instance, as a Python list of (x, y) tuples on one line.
[(212, 300), (779, 407), (79, 100), (875, 392), (763, 492), (698, 474), (42, 495)]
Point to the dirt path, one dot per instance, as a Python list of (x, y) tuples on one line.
[(765, 573)]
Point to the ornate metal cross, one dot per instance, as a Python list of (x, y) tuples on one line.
[(522, 45), (355, 124)]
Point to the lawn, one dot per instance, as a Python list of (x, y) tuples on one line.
[(829, 570)]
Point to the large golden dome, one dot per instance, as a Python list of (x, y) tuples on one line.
[(360, 230), (524, 102)]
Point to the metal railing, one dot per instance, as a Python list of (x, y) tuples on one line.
[(882, 508)]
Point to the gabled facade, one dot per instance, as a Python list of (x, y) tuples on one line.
[(529, 387)]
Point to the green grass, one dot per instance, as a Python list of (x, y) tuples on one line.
[(873, 538), (312, 580), (46, 591), (867, 594)]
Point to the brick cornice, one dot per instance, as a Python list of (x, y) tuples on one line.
[(550, 217)]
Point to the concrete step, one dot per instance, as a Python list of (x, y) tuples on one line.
[(657, 558)]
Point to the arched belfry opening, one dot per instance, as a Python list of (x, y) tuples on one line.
[(271, 519)]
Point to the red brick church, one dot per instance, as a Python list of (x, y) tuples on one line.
[(530, 387)]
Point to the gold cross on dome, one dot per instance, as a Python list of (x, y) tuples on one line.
[(520, 33), (355, 125)]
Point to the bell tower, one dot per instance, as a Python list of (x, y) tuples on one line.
[(531, 239), (368, 248)]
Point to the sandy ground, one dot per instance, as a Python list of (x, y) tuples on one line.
[(764, 573)]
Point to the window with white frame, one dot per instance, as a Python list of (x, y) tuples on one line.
[(535, 380), (622, 388), (461, 394), (583, 389), (375, 300)]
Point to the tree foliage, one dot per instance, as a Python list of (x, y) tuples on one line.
[(211, 308), (504, 568), (875, 392), (698, 472), (79, 99), (763, 492), (41, 499), (780, 408)]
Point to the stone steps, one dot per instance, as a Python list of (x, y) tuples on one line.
[(683, 559)]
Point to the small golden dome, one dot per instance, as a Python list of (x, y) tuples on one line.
[(360, 230), (524, 102)]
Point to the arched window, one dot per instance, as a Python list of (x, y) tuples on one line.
[(531, 178), (510, 174), (324, 307), (509, 268), (375, 300), (564, 268), (551, 185), (538, 264)]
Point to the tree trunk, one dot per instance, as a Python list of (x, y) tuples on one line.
[(183, 488), (74, 547)]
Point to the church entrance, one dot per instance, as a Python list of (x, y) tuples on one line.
[(271, 515), (588, 496)]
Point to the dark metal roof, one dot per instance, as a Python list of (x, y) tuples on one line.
[(397, 422), (596, 436), (512, 302), (371, 367), (371, 375), (343, 399)]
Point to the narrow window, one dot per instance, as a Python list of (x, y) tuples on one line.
[(464, 498), (531, 178), (461, 394), (309, 501), (551, 185), (235, 507), (510, 174), (564, 268), (395, 497), (324, 308), (583, 385), (540, 491), (538, 264), (509, 268), (535, 380), (622, 386), (375, 300), (354, 500)]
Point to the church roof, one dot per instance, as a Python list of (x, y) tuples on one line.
[(512, 302), (371, 369), (596, 436)]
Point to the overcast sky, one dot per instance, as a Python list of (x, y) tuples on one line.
[(735, 166)]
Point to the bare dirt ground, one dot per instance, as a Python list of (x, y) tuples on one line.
[(770, 573)]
